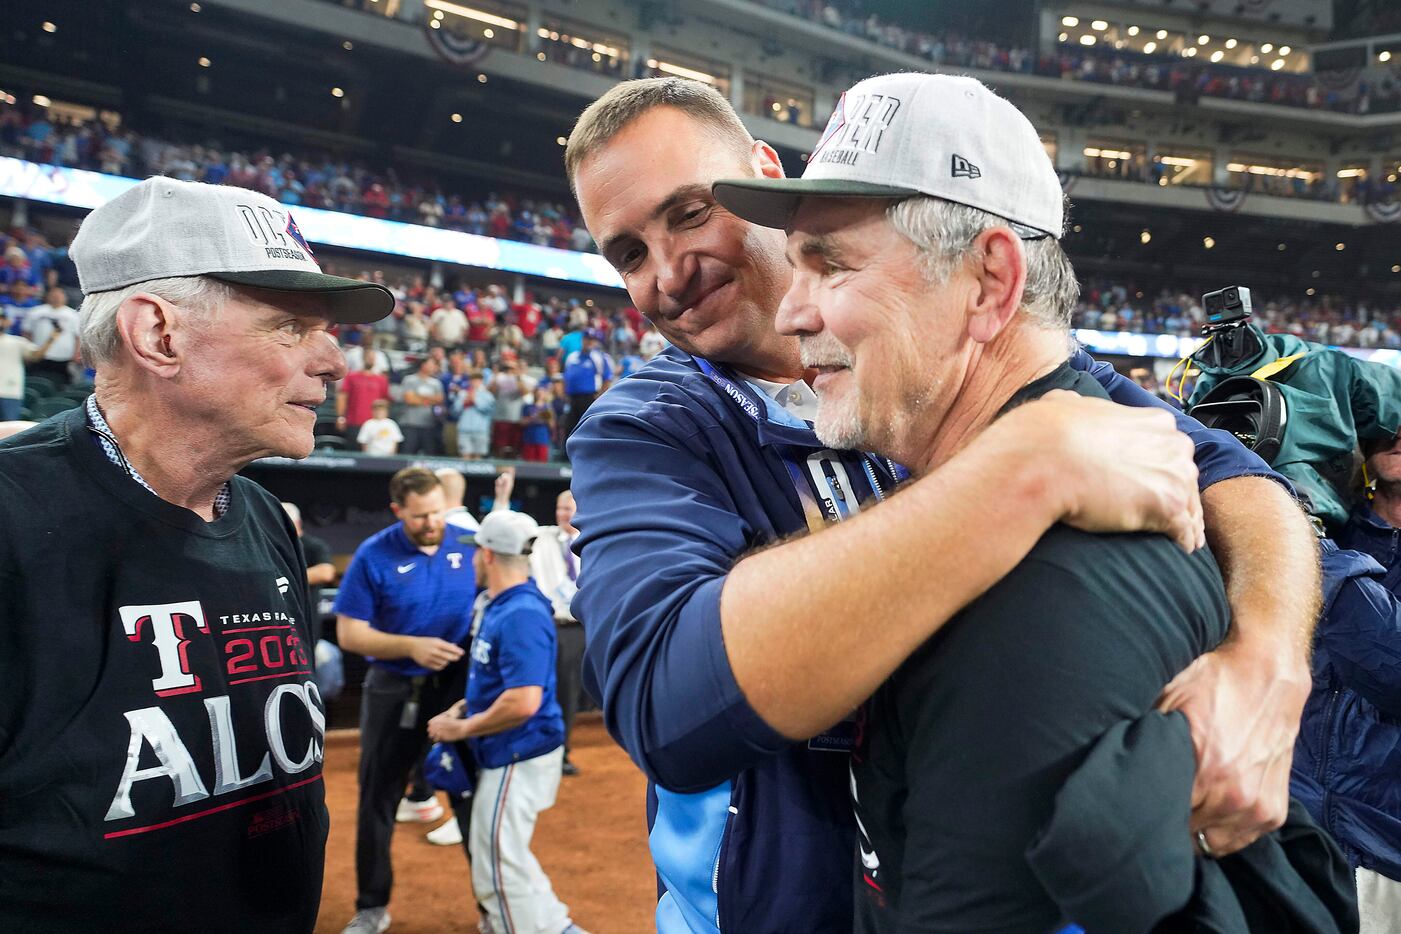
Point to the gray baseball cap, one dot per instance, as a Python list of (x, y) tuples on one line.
[(507, 533), (165, 228), (902, 135)]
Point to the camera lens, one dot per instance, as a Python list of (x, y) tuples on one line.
[(1232, 295)]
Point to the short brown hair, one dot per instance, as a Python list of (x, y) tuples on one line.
[(606, 117), (416, 480)]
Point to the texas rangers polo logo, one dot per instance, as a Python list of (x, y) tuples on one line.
[(856, 127), (275, 232)]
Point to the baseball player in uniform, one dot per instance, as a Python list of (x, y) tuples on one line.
[(405, 604), (516, 732)]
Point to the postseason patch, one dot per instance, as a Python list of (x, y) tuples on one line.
[(840, 738)]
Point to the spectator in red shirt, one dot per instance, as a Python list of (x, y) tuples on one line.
[(479, 324), (357, 393)]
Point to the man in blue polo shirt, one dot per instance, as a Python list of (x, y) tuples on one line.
[(405, 604), (513, 721), (587, 373)]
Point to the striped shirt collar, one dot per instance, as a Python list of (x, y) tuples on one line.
[(107, 441)]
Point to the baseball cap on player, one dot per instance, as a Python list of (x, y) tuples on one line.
[(163, 228), (897, 136), (507, 533)]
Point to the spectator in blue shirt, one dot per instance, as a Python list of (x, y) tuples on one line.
[(516, 731), (587, 373), (405, 604)]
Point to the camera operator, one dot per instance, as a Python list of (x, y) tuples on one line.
[(1347, 758)]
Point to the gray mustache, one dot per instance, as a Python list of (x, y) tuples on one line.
[(823, 351)]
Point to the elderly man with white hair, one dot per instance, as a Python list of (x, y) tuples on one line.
[(930, 295), (161, 734)]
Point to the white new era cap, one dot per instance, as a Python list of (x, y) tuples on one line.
[(507, 533), (165, 228), (895, 136)]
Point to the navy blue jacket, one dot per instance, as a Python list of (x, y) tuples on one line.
[(1347, 759), (677, 475)]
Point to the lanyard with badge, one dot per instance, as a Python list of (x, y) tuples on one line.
[(831, 486)]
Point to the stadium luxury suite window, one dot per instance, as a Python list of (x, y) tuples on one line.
[(581, 46), (1179, 166), (497, 24), (1109, 158), (684, 65), (777, 100), (1274, 176)]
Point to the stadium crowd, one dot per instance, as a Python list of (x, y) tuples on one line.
[(315, 180), (1164, 72)]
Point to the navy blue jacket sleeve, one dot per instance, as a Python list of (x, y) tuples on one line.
[(659, 532), (1361, 632), (1219, 455)]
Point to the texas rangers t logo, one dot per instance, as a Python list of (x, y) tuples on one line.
[(167, 623)]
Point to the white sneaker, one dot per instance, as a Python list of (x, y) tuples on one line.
[(447, 835), (368, 921), (418, 812)]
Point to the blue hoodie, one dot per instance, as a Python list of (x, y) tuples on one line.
[(515, 647), (678, 471)]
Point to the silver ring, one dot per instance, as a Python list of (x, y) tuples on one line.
[(1204, 846)]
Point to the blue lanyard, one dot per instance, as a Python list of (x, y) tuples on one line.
[(825, 487)]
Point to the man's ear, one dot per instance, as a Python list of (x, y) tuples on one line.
[(999, 266), (148, 326), (764, 161)]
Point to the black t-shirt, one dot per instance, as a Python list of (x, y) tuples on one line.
[(960, 753), (316, 552), (161, 735)]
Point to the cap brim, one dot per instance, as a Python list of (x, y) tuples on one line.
[(770, 202), (351, 301)]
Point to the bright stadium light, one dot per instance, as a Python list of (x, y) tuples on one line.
[(1284, 50), (1340, 246), (1231, 43), (1310, 291), (1277, 64), (1217, 55), (337, 92), (204, 62), (1145, 237), (489, 33), (679, 71), (561, 140), (1133, 30), (1150, 48), (41, 101), (480, 16), (1396, 268), (1384, 57), (1267, 47), (1162, 33), (1100, 25), (1063, 36), (1070, 21), (50, 27), (1087, 40), (1208, 242), (1203, 39), (457, 118)]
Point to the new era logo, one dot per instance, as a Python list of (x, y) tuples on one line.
[(962, 168)]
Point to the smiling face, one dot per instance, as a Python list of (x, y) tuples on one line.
[(259, 367), (708, 280), (889, 349)]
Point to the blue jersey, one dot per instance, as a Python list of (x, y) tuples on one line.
[(678, 471), (585, 372), (515, 648), (398, 589)]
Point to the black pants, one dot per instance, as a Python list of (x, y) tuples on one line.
[(420, 440), (569, 673), (388, 754), (578, 405)]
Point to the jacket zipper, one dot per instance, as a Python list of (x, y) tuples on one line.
[(719, 855), (1329, 713)]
